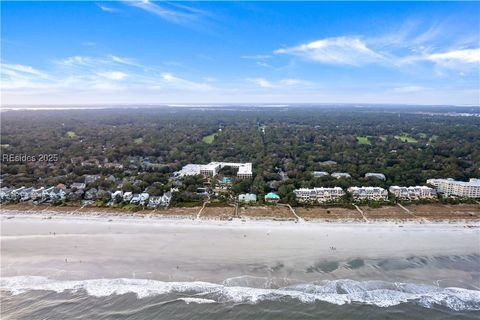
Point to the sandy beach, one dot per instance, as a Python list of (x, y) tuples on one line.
[(82, 247)]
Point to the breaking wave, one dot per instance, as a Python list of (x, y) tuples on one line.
[(378, 293)]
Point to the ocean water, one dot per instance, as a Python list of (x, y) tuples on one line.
[(248, 297)]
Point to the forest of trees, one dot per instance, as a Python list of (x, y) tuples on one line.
[(285, 144)]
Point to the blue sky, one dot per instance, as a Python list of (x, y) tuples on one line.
[(220, 52)]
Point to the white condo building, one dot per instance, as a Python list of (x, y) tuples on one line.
[(318, 194), (449, 187), (244, 169), (368, 193), (413, 193)]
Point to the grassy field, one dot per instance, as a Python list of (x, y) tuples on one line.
[(71, 134), (406, 138), (138, 141), (209, 139), (363, 140)]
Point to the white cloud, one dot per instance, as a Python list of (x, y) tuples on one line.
[(169, 77), (341, 51), (106, 8), (113, 75), (283, 83), (123, 60), (96, 62), (456, 56), (19, 69), (176, 13), (264, 64), (257, 57), (75, 61), (462, 61), (409, 89), (180, 83), (291, 82), (261, 82)]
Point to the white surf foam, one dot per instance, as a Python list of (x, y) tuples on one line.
[(378, 293), (197, 300)]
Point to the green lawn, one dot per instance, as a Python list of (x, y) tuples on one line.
[(363, 140), (383, 138), (209, 139), (71, 134), (406, 138), (138, 141)]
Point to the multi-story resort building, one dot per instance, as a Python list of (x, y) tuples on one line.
[(449, 187), (413, 193), (368, 193), (212, 169), (320, 174), (339, 175), (320, 195)]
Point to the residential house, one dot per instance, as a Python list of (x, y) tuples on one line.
[(321, 195), (375, 175), (149, 166), (320, 174), (91, 163), (90, 178), (135, 198), (46, 193), (26, 194), (37, 193), (103, 195), (75, 195), (78, 185), (127, 196), (90, 194), (328, 163), (166, 198), (272, 197), (117, 195), (5, 193), (154, 201), (15, 194), (247, 198), (57, 194), (339, 175), (203, 191), (113, 165), (143, 198), (368, 193)]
